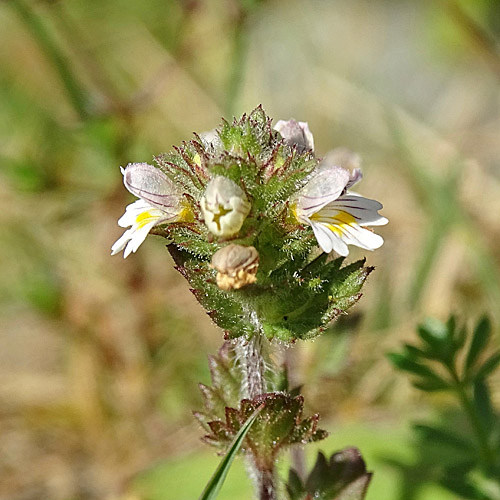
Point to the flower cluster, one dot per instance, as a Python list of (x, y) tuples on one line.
[(251, 186), (337, 216)]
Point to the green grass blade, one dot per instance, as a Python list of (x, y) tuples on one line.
[(49, 46), (215, 484)]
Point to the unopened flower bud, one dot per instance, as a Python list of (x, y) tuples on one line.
[(236, 266), (224, 206), (296, 134)]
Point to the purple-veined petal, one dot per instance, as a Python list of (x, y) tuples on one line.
[(325, 186), (342, 225), (151, 184), (364, 210), (352, 234)]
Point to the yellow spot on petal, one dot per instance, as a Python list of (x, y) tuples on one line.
[(345, 218), (334, 229), (337, 223), (143, 218)]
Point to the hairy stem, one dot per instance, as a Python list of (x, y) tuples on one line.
[(253, 366), (267, 490), (297, 455), (251, 357)]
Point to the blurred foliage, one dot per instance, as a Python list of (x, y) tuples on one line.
[(342, 477), (465, 458), (99, 359)]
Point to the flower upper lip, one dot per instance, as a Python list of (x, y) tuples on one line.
[(152, 185), (325, 185)]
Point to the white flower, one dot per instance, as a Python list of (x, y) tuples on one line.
[(160, 203), (337, 216), (296, 134), (224, 206)]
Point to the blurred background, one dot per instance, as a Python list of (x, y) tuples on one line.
[(100, 357)]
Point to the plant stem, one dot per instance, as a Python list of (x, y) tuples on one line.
[(487, 454), (297, 454), (267, 490), (253, 366), (250, 354), (482, 437)]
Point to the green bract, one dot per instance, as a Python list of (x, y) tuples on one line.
[(297, 290)]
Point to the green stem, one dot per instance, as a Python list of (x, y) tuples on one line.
[(251, 357), (487, 454), (482, 437), (253, 366), (52, 51)]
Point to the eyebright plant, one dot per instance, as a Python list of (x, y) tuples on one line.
[(259, 226), (261, 190)]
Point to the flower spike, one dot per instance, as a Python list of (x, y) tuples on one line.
[(235, 204)]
